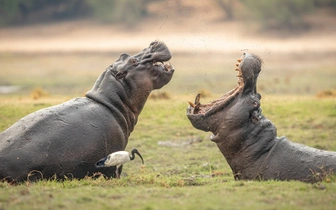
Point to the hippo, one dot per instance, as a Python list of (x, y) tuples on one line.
[(66, 140), (248, 140)]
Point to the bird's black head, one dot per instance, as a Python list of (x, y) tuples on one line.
[(138, 153)]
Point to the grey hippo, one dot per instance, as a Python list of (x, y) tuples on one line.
[(66, 140), (248, 140)]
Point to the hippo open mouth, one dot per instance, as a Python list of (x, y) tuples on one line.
[(161, 66), (248, 140), (248, 67), (157, 54), (152, 59)]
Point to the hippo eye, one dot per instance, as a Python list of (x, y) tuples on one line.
[(134, 61)]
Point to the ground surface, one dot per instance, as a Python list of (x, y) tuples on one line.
[(183, 168), (43, 65)]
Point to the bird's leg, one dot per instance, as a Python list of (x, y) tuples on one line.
[(117, 173)]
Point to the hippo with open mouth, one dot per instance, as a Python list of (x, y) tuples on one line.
[(67, 140), (248, 140)]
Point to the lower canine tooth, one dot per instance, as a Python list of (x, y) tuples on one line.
[(191, 104), (197, 99)]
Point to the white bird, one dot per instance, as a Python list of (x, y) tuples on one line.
[(117, 159)]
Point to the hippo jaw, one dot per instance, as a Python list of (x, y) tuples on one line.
[(222, 114), (141, 73), (155, 55), (148, 66), (126, 84)]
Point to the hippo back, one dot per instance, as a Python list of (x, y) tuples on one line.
[(84, 131)]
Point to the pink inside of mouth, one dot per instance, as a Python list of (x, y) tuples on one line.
[(198, 108)]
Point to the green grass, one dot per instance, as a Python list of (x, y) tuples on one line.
[(182, 175), (101, 194), (194, 176)]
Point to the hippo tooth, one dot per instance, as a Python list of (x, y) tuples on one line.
[(237, 69), (168, 65), (239, 74), (197, 99), (191, 104), (239, 60), (237, 64)]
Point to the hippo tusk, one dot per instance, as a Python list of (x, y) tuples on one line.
[(191, 104), (197, 99)]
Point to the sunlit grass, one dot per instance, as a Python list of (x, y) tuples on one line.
[(304, 74), (183, 168), (182, 176)]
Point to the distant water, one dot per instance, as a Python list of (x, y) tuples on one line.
[(7, 89)]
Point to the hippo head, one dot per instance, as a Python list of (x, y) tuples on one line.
[(228, 117), (130, 79), (145, 70)]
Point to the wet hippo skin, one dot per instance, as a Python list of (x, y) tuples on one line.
[(67, 140), (248, 140)]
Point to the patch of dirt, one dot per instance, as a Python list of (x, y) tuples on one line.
[(185, 143)]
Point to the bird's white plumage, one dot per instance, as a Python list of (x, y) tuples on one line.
[(117, 158)]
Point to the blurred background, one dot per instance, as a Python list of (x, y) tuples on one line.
[(52, 47)]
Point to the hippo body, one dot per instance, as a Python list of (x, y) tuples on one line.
[(66, 140), (292, 161), (267, 157), (83, 127), (248, 140)]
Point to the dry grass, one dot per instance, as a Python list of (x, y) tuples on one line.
[(193, 176), (326, 94), (38, 93)]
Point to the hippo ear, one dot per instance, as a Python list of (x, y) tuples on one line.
[(118, 65), (123, 57)]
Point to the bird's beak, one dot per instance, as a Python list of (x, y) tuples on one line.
[(139, 156)]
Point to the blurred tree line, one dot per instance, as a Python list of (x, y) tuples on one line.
[(270, 13), (284, 14), (31, 11)]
